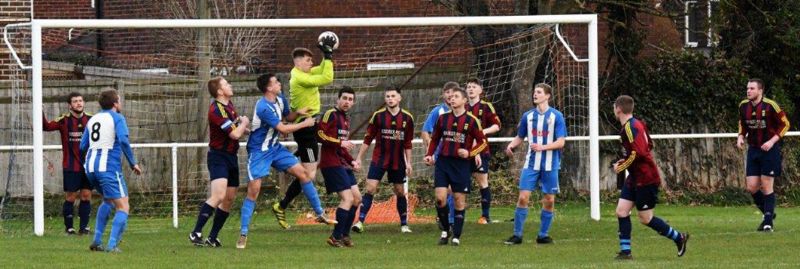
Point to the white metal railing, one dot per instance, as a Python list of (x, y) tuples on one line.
[(175, 146)]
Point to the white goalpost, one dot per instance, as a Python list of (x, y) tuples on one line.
[(589, 75)]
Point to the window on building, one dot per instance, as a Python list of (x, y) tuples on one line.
[(697, 21)]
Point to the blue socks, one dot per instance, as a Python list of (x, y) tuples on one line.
[(117, 227), (311, 194), (366, 204), (452, 207), (546, 219), (247, 212), (625, 234), (520, 214), (664, 229), (486, 202), (459, 222), (103, 211), (219, 220), (205, 213), (402, 208), (67, 210), (84, 210)]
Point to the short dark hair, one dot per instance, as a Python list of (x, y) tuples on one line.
[(476, 81), (392, 88), (73, 95), (263, 81), (300, 52), (624, 103), (346, 89), (108, 97), (758, 82), (460, 90), (450, 85), (214, 84), (546, 87)]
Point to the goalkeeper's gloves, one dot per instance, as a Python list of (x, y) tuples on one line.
[(326, 46)]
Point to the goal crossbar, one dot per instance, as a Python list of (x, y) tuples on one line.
[(36, 53)]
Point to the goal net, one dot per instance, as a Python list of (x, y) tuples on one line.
[(161, 70)]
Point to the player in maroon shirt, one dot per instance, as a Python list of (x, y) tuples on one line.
[(763, 124), (641, 185), (225, 128), (337, 165), (462, 140), (392, 128), (485, 112), (70, 126)]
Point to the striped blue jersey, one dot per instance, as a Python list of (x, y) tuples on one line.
[(433, 117), (105, 140), (542, 128), (266, 117)]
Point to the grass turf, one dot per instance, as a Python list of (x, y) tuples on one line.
[(721, 237)]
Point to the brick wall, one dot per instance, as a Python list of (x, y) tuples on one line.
[(160, 48), (12, 11)]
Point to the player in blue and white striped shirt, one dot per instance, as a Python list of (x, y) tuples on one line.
[(104, 141), (265, 151), (546, 132)]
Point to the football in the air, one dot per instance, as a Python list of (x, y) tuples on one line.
[(331, 34)]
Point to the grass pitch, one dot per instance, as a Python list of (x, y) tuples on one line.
[(722, 237)]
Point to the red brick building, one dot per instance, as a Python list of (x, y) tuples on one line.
[(165, 47)]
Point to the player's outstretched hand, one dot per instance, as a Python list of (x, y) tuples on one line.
[(740, 142), (346, 144), (244, 120), (308, 122), (409, 170), (537, 147), (429, 160), (137, 170), (509, 151), (463, 153), (356, 165), (326, 46), (767, 146), (478, 160)]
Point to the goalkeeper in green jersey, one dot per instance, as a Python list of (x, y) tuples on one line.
[(304, 99)]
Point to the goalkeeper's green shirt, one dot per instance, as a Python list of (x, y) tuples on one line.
[(304, 87)]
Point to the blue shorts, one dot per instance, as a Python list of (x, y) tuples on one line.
[(259, 162), (338, 179), (484, 168), (454, 173), (764, 163), (645, 197), (394, 176), (223, 165), (547, 181), (75, 181), (110, 184)]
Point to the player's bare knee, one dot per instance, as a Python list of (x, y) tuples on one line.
[(86, 195), (645, 218), (622, 212), (752, 188), (399, 191)]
